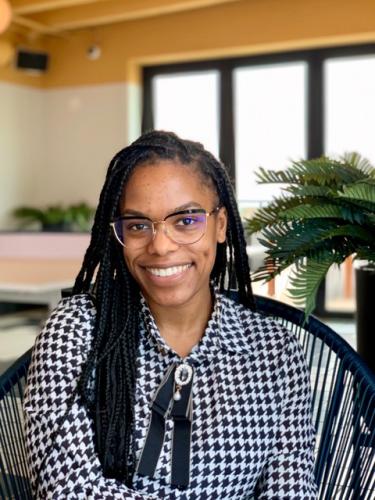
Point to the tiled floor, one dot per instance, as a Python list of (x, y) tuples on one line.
[(18, 331)]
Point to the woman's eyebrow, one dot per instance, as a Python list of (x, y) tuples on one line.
[(136, 213), (185, 206)]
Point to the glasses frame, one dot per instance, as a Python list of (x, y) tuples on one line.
[(155, 222)]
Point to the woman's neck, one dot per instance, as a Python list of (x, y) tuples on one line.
[(183, 326)]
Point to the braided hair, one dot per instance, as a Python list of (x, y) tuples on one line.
[(107, 384)]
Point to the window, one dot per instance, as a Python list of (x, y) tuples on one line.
[(350, 105), (270, 124), (188, 105)]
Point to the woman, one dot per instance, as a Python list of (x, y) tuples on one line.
[(155, 384)]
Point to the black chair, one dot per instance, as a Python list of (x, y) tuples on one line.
[(343, 412), (343, 404), (14, 482)]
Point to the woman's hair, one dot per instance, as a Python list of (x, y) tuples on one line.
[(107, 383)]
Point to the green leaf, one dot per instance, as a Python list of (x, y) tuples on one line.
[(312, 212), (30, 213), (305, 281), (307, 211), (269, 215), (309, 190), (275, 176), (359, 191), (360, 163)]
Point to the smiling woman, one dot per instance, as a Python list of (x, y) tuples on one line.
[(149, 382), (172, 259)]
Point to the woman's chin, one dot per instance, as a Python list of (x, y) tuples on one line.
[(167, 298), (175, 297)]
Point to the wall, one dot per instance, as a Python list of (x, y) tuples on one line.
[(238, 28), (22, 119), (85, 127), (55, 144)]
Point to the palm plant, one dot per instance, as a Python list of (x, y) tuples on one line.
[(326, 214)]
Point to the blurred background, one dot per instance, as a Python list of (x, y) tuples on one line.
[(258, 82)]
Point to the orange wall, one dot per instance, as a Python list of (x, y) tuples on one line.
[(239, 28)]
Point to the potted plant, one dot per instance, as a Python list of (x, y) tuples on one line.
[(57, 217), (80, 216), (326, 214)]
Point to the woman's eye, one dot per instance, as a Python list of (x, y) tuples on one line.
[(186, 221), (137, 227)]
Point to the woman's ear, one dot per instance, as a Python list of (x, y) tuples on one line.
[(221, 225)]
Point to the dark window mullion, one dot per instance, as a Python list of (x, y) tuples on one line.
[(226, 120), (315, 133), (148, 99), (315, 106)]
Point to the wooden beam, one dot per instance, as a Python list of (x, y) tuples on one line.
[(22, 7), (113, 11), (30, 24)]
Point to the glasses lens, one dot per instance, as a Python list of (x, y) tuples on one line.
[(133, 232), (186, 228)]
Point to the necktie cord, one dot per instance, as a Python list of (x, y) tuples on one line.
[(173, 398)]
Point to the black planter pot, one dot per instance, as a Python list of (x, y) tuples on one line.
[(365, 299)]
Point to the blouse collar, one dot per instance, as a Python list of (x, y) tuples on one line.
[(224, 331)]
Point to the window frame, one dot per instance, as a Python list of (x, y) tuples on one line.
[(314, 59)]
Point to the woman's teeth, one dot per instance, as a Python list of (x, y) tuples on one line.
[(167, 271)]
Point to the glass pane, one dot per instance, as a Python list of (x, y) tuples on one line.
[(270, 124), (350, 106), (349, 86), (188, 105)]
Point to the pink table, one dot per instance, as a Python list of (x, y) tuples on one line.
[(34, 267)]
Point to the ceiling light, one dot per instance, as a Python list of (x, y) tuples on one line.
[(93, 52)]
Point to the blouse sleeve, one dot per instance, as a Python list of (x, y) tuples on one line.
[(59, 438), (289, 471)]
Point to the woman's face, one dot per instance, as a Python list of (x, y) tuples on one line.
[(158, 190)]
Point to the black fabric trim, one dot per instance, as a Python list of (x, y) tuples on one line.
[(181, 413)]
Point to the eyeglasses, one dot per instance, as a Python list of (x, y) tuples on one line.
[(184, 227)]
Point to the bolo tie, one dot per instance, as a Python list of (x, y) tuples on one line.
[(173, 398)]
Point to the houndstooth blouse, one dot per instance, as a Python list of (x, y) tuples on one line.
[(251, 434)]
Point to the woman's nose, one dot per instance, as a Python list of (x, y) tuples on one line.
[(161, 243)]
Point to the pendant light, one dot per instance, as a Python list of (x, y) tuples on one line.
[(5, 15)]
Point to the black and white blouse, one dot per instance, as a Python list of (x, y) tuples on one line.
[(251, 432)]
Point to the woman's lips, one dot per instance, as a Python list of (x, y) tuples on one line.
[(168, 272)]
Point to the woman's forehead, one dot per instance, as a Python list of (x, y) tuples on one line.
[(160, 169), (166, 184)]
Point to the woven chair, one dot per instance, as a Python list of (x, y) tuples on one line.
[(343, 412), (14, 481), (343, 406)]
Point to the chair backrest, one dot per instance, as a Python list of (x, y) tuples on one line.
[(14, 482), (343, 412), (343, 405)]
